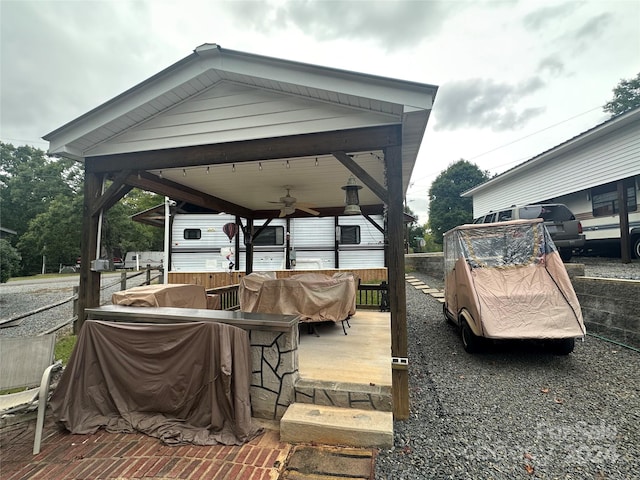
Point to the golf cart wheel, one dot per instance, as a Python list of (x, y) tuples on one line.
[(563, 346), (470, 342)]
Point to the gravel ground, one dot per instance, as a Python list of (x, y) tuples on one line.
[(514, 411), (26, 295)]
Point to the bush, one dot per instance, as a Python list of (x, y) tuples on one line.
[(9, 260)]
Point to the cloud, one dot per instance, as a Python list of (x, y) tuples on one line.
[(541, 17), (58, 71), (484, 103), (390, 24), (551, 65)]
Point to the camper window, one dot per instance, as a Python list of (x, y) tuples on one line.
[(604, 199), (192, 234), (350, 234), (270, 236)]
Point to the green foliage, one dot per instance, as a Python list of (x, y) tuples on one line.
[(122, 235), (64, 348), (29, 181), (9, 260), (626, 96), (447, 209), (55, 234), (430, 244)]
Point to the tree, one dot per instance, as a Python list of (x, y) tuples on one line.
[(626, 96), (447, 209), (54, 234), (9, 260), (122, 235), (29, 181)]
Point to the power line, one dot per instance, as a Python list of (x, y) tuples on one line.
[(535, 133), (518, 140)]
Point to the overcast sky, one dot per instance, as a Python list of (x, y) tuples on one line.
[(515, 77)]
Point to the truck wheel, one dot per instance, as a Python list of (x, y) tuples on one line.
[(470, 342), (566, 254), (563, 346), (635, 246)]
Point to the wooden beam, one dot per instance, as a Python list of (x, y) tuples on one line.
[(175, 191), (113, 194), (322, 143), (362, 174), (397, 290)]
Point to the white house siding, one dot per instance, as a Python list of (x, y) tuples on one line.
[(229, 112), (603, 160)]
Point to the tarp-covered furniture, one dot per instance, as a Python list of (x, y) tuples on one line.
[(165, 295), (507, 280), (25, 362), (182, 383), (315, 297)]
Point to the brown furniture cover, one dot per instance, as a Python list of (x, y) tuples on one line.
[(166, 295), (182, 383), (314, 296)]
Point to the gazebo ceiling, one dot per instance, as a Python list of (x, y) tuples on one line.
[(232, 131)]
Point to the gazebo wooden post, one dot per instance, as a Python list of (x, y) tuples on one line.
[(397, 291), (248, 238), (89, 288)]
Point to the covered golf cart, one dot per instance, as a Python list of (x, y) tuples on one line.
[(507, 281)]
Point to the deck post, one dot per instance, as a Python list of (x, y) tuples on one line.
[(397, 292), (89, 287)]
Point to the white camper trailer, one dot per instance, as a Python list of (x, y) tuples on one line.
[(199, 243)]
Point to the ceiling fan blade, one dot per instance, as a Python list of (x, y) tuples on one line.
[(282, 213), (308, 210)]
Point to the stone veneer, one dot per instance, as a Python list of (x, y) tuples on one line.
[(345, 395), (274, 371)]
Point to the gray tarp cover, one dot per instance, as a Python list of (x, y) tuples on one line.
[(315, 297), (182, 383)]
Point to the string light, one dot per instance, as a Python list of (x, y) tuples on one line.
[(233, 168), (160, 174), (316, 161), (207, 170), (184, 172), (288, 164), (138, 175), (260, 165)]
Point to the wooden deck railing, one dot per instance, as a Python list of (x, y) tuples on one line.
[(368, 296)]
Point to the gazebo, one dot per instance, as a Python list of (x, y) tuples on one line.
[(229, 131)]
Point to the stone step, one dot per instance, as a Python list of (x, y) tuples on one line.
[(307, 423)]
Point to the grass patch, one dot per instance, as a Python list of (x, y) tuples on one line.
[(44, 276), (64, 347)]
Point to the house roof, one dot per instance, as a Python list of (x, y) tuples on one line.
[(164, 129), (594, 133)]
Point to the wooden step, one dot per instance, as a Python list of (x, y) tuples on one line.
[(307, 423)]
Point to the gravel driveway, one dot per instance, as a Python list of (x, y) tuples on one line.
[(515, 411)]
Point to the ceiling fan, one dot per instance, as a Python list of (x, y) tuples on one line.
[(290, 204)]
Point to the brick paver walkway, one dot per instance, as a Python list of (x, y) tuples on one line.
[(127, 456)]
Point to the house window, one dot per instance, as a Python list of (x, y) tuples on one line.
[(604, 199), (192, 234), (270, 236), (350, 235)]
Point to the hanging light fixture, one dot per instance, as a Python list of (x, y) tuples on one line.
[(352, 202)]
